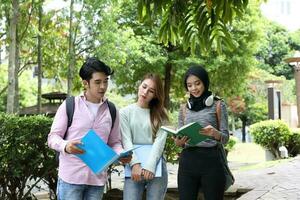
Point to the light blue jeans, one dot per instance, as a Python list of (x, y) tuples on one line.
[(67, 191), (155, 188)]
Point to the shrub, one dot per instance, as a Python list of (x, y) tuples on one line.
[(271, 134), (24, 155), (293, 145), (172, 151), (230, 144)]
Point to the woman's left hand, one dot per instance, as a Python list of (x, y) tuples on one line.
[(147, 174), (126, 159), (211, 131)]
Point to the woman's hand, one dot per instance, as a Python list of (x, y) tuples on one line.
[(147, 174), (181, 141), (136, 172), (126, 159), (211, 131)]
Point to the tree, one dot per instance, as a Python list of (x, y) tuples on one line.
[(276, 44), (145, 54), (196, 23), (71, 56), (13, 57), (39, 56)]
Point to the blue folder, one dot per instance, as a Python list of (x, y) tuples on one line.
[(98, 155)]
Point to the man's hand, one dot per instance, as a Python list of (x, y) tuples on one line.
[(136, 172), (72, 147)]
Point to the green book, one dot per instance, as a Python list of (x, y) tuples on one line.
[(191, 130)]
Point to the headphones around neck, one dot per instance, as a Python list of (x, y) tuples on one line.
[(208, 101)]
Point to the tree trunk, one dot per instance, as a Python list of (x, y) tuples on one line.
[(297, 79), (168, 75), (244, 121), (16, 97), (167, 85), (71, 51), (39, 57), (12, 57)]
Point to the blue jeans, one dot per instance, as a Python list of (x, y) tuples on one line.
[(67, 191), (155, 188)]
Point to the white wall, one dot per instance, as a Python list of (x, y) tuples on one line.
[(289, 115)]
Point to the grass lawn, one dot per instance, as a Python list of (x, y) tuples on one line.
[(246, 153), (247, 156)]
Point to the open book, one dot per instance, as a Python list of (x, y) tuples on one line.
[(191, 130), (98, 155)]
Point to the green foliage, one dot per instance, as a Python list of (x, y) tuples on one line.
[(199, 24), (24, 155), (27, 88), (293, 145), (235, 65), (271, 134), (171, 150), (118, 100), (230, 144), (144, 54), (295, 40), (276, 45)]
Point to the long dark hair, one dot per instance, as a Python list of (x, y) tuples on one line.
[(158, 113)]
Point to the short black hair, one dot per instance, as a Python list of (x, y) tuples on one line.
[(92, 65)]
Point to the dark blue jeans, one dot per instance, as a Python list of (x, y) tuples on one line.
[(201, 168)]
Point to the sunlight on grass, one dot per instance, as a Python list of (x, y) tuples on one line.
[(249, 156), (246, 153), (265, 164)]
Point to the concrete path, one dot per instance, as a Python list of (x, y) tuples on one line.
[(278, 182)]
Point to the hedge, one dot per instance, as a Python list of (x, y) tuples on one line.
[(271, 134), (24, 156)]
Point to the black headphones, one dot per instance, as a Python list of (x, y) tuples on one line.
[(208, 101)]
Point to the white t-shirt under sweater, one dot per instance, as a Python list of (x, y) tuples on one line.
[(136, 129), (93, 107)]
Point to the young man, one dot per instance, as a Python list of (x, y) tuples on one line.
[(75, 180)]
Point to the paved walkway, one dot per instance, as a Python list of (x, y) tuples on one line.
[(278, 182)]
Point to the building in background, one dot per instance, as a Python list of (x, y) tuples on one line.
[(284, 12)]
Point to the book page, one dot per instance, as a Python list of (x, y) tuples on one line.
[(169, 129)]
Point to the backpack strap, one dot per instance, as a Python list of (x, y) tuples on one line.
[(218, 114), (70, 105), (113, 112)]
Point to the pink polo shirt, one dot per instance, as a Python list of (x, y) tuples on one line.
[(71, 168)]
